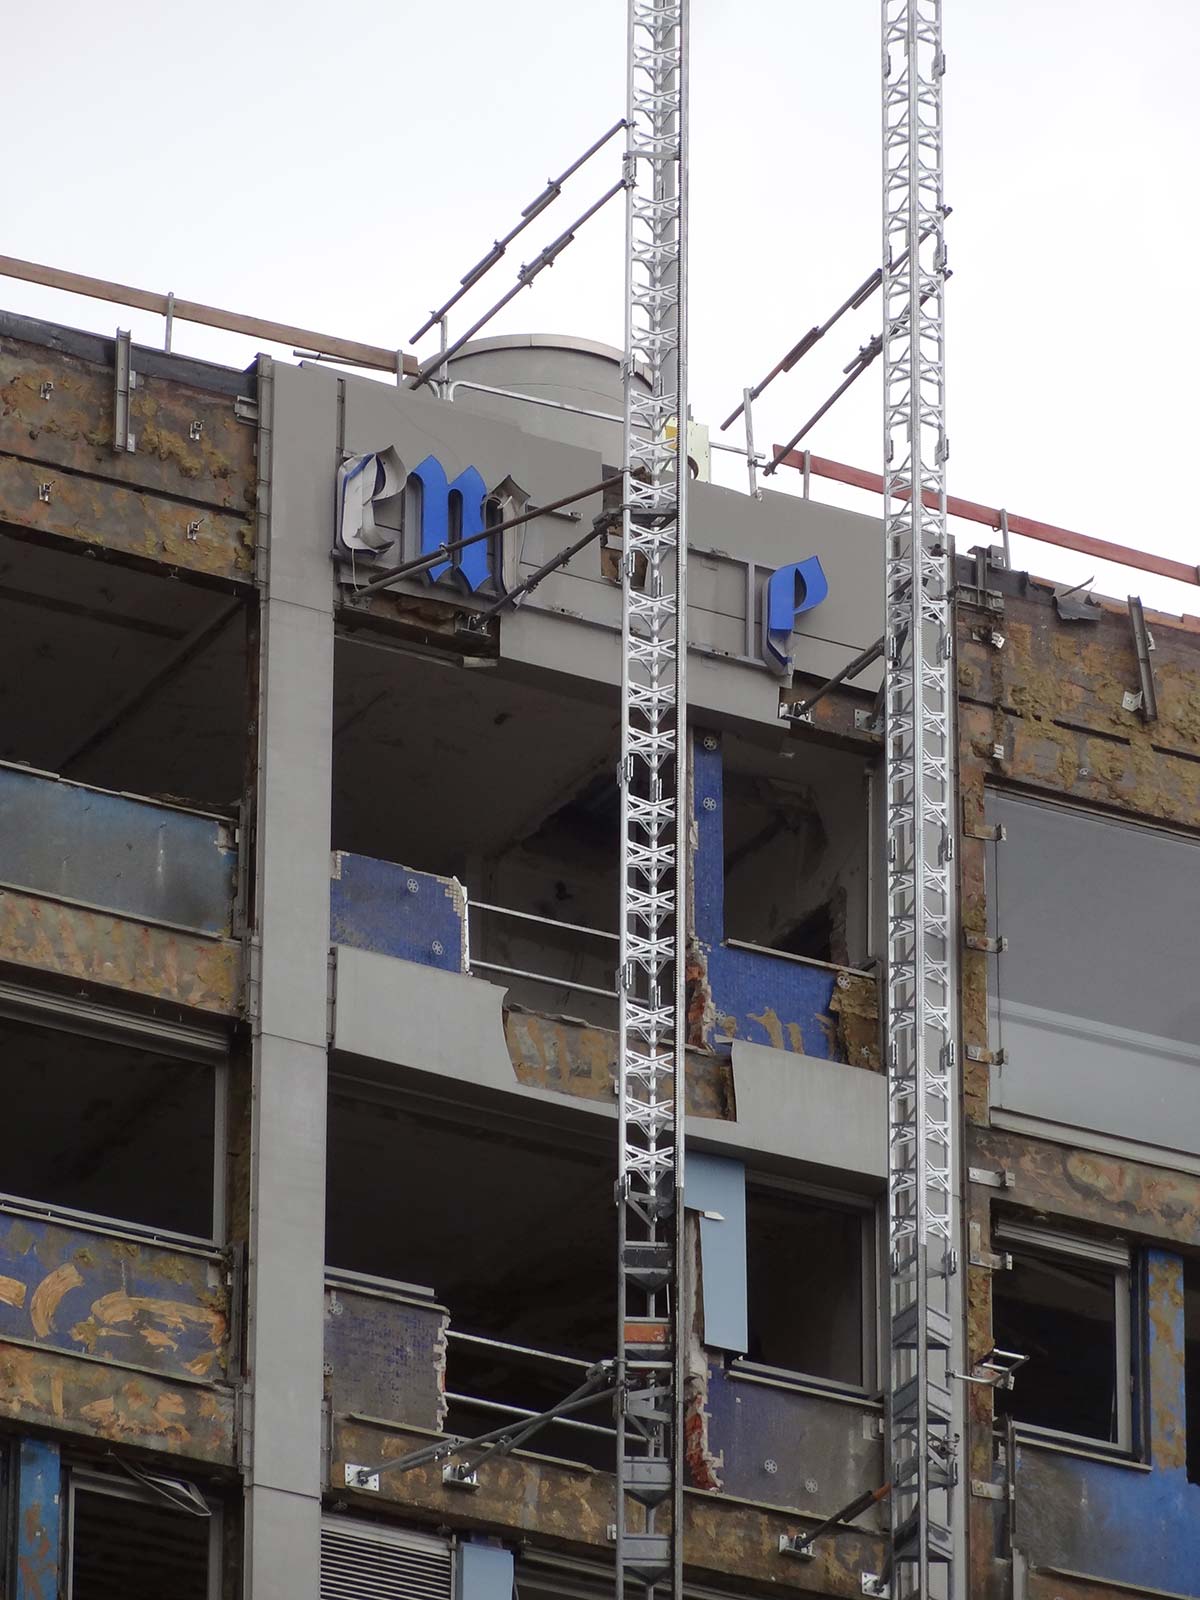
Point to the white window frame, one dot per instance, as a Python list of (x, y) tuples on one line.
[(1090, 1252), (869, 1211)]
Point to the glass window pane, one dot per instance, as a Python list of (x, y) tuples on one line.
[(1062, 1315)]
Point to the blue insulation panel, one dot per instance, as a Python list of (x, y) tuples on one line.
[(116, 852), (385, 1356), (394, 911), (38, 1520), (763, 999), (142, 1304), (1115, 1522)]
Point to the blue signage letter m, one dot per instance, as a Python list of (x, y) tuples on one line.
[(452, 510)]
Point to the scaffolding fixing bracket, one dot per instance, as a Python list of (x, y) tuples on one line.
[(991, 947), (796, 1544), (1146, 701), (460, 1475), (125, 381), (361, 1478)]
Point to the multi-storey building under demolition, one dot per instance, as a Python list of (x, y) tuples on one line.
[(308, 930)]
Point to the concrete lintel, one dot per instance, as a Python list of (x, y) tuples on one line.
[(790, 1107)]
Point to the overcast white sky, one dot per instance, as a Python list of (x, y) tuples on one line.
[(341, 166)]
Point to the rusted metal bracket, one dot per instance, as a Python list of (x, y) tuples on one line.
[(125, 381), (978, 941), (1145, 701)]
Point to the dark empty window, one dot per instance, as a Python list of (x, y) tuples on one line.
[(126, 1546), (810, 1268), (1070, 1316), (95, 1126)]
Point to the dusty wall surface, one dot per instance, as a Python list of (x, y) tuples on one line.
[(183, 497), (1042, 710)]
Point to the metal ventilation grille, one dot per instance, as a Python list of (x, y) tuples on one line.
[(361, 1562)]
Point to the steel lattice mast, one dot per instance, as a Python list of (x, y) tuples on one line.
[(921, 1004), (653, 807)]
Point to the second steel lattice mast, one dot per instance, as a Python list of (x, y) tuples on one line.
[(921, 1013), (653, 774)]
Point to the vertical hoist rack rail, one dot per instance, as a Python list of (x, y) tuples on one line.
[(653, 774), (921, 1004)]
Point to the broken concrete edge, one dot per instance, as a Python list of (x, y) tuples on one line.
[(440, 1024)]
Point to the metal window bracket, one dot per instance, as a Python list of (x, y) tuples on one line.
[(989, 1259), (1004, 1179), (989, 1058), (125, 381), (996, 1371), (994, 834), (983, 1490)]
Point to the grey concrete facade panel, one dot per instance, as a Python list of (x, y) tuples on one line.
[(790, 1107), (285, 1332)]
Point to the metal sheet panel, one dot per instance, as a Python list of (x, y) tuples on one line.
[(116, 853), (715, 1186), (485, 1572)]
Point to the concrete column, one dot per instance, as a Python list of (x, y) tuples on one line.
[(297, 462)]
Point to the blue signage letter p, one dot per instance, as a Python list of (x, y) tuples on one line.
[(790, 591)]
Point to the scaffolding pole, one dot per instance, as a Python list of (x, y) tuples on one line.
[(922, 1048), (653, 778)]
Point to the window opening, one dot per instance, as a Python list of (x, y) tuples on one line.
[(98, 1127), (511, 1270), (810, 1285), (142, 681), (506, 787), (126, 1543), (1069, 1313)]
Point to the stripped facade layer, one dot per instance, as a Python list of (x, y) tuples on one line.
[(309, 941)]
